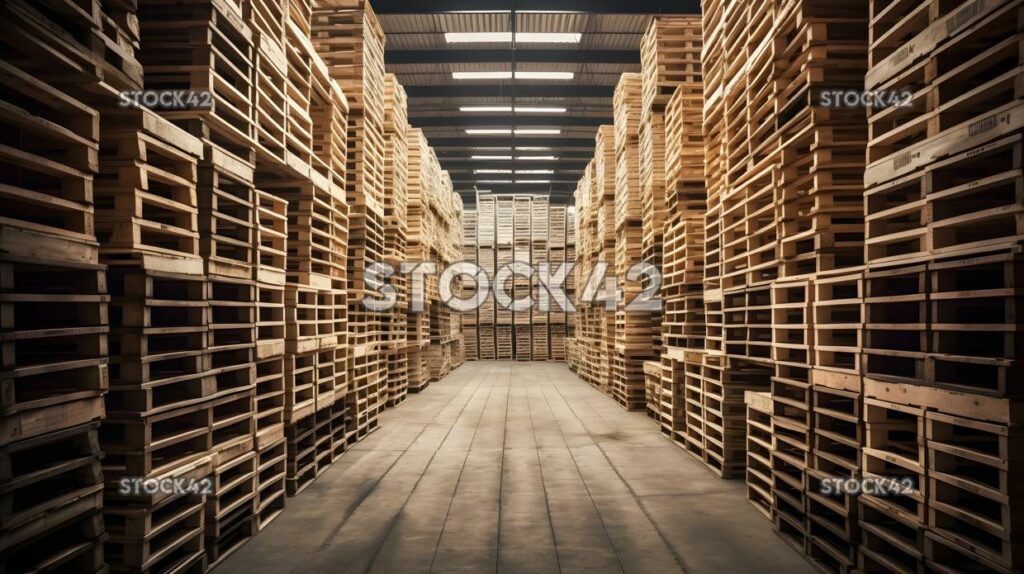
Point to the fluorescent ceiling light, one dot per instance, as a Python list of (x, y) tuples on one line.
[(507, 109), (528, 148), (482, 75), (507, 75), (523, 37), (492, 171), (493, 181), (528, 75), (534, 171), (529, 110), (548, 37), (491, 157), (506, 131), (533, 181), (485, 109), (537, 158)]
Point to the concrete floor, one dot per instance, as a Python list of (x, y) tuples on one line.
[(517, 468)]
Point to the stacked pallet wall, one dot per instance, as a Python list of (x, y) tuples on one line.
[(672, 100), (540, 236), (937, 343), (636, 336), (348, 36), (54, 302), (396, 178), (434, 336)]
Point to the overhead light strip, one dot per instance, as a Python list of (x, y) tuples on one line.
[(508, 131), (519, 75), (506, 37), (508, 109)]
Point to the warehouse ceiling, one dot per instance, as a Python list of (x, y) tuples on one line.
[(533, 134)]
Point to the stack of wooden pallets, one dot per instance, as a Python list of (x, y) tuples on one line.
[(942, 250), (434, 337), (418, 320), (672, 142), (558, 242), (759, 448), (348, 36), (218, 315), (539, 238), (53, 296), (586, 332), (485, 242), (396, 178), (522, 287), (504, 226), (221, 235), (637, 336), (669, 55), (470, 319), (603, 251)]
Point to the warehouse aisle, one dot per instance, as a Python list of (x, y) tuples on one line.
[(518, 468)]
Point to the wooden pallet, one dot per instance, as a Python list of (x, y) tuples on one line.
[(227, 218), (55, 339), (973, 295), (300, 66), (89, 42), (652, 387), (149, 539), (271, 238), (895, 329), (77, 545), (301, 454), (894, 446), (270, 401), (59, 138), (218, 50), (759, 446), (970, 493), (300, 385), (270, 320), (48, 480), (419, 372), (670, 54), (232, 333), (627, 109), (231, 511), (890, 542), (270, 482), (146, 198), (159, 341)]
